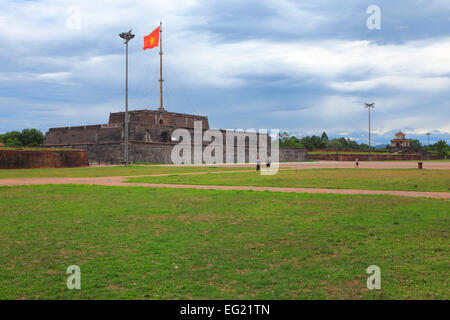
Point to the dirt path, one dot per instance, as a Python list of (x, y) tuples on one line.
[(120, 181)]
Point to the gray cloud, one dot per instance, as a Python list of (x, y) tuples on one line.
[(300, 66)]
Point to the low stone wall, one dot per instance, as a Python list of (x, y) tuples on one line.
[(31, 158), (293, 154), (373, 157), (154, 152), (349, 150)]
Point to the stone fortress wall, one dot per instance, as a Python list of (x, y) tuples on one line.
[(150, 138)]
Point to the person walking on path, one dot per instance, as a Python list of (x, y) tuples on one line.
[(356, 163), (258, 164)]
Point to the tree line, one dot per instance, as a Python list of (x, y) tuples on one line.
[(25, 138), (323, 142)]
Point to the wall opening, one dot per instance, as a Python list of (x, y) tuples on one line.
[(165, 137)]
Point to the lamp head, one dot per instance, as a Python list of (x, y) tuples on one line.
[(127, 36)]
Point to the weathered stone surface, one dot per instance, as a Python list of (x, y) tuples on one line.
[(22, 159), (151, 139), (293, 154), (159, 118)]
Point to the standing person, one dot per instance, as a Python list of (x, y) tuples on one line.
[(356, 163), (258, 164), (268, 163)]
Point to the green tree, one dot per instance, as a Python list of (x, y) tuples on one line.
[(283, 137), (308, 143), (31, 137), (352, 145), (26, 138), (315, 142), (415, 144), (290, 141), (13, 142), (344, 143), (364, 147), (333, 144), (12, 139), (441, 148)]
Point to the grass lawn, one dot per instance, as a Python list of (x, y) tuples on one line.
[(112, 171), (145, 243), (369, 179)]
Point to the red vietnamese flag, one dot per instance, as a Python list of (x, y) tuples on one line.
[(152, 40)]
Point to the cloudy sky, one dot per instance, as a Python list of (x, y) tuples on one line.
[(301, 66)]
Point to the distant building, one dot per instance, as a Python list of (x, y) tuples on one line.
[(400, 141), (150, 133)]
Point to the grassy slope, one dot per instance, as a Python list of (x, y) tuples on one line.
[(371, 179), (106, 171), (171, 244)]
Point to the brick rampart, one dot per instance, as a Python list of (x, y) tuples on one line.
[(23, 159), (373, 157)]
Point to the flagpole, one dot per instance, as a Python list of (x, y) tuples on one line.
[(161, 108)]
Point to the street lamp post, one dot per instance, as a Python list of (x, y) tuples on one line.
[(428, 151), (369, 106), (126, 36)]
